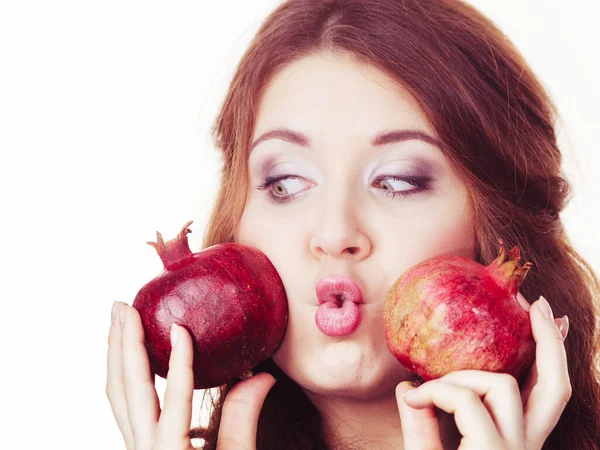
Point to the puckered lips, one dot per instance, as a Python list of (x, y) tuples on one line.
[(339, 312), (338, 290)]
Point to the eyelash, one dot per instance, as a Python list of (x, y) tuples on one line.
[(421, 184)]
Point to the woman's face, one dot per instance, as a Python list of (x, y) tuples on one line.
[(337, 218)]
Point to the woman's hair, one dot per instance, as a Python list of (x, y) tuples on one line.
[(496, 124)]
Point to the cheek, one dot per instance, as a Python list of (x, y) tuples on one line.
[(453, 238), (412, 243), (265, 224), (255, 226), (447, 227)]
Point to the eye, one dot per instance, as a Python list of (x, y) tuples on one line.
[(420, 184), (278, 193)]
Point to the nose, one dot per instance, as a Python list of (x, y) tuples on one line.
[(338, 235)]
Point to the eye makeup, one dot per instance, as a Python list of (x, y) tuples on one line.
[(420, 183)]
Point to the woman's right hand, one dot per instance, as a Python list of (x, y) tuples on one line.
[(134, 401)]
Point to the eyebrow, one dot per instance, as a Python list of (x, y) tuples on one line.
[(380, 139)]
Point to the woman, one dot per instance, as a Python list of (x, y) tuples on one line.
[(403, 130)]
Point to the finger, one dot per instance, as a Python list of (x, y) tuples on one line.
[(471, 416), (420, 427), (143, 407), (115, 390), (176, 417), (549, 382), (531, 379), (500, 395), (241, 410)]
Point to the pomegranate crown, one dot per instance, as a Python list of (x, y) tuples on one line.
[(175, 250), (509, 273)]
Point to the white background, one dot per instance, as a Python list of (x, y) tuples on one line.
[(105, 109)]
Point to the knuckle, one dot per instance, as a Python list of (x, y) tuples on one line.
[(241, 403), (110, 336), (113, 336), (109, 391), (469, 395), (567, 392), (509, 382), (228, 443), (563, 392)]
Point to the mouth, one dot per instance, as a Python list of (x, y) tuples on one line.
[(338, 291), (339, 312)]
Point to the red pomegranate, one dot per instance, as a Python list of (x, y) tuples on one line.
[(229, 297), (451, 313)]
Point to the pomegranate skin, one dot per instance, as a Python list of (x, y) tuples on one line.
[(451, 313), (229, 297)]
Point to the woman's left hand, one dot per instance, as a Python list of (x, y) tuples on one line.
[(490, 410)]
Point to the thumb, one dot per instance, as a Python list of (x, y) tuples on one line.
[(239, 419), (419, 426)]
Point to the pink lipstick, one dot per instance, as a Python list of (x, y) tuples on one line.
[(339, 312)]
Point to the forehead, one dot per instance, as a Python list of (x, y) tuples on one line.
[(333, 91)]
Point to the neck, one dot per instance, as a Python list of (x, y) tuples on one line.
[(372, 424)]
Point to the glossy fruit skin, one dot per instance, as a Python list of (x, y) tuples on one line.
[(229, 297), (451, 313)]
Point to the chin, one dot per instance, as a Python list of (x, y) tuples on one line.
[(356, 390), (350, 381), (346, 392)]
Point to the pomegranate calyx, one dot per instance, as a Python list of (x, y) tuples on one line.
[(508, 273), (174, 250)]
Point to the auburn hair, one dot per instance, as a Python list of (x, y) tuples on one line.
[(496, 124)]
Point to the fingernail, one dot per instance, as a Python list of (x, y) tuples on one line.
[(122, 314), (564, 326), (113, 313), (545, 307), (174, 335)]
